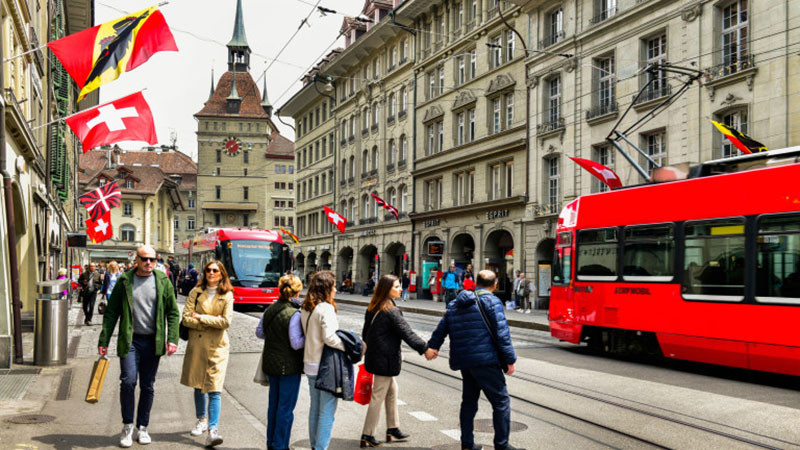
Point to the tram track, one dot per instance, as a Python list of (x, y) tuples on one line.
[(775, 443)]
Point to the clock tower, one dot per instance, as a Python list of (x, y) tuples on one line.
[(236, 177)]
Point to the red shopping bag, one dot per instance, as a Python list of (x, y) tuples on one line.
[(363, 390)]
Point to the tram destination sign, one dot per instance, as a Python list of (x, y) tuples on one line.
[(497, 214)]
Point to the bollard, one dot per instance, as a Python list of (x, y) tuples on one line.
[(50, 328)]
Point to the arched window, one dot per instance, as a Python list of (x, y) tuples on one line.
[(343, 169), (392, 153), (352, 203), (343, 209), (392, 105), (392, 197), (352, 166), (330, 181), (375, 113), (403, 199), (403, 156), (375, 157), (128, 233), (374, 206), (344, 128), (324, 184), (365, 118), (364, 162), (365, 206), (403, 100)]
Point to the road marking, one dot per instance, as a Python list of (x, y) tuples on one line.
[(422, 416), (401, 403), (454, 434)]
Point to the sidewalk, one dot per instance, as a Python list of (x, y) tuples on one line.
[(536, 320)]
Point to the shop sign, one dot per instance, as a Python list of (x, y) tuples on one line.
[(435, 248), (431, 223), (366, 233), (499, 214), (324, 247), (311, 249)]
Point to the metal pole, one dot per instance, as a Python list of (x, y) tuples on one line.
[(635, 165), (13, 260), (625, 138)]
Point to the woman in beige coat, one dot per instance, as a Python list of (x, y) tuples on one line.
[(207, 314)]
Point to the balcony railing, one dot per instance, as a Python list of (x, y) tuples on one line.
[(402, 114), (351, 223), (602, 110), (390, 119), (351, 180), (471, 25), (374, 127), (343, 142), (364, 175), (390, 167), (388, 216), (401, 163), (731, 67), (652, 93), (373, 172), (547, 127), (342, 182), (603, 15), (551, 39), (351, 138), (365, 131), (368, 221)]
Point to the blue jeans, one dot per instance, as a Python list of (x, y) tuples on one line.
[(283, 392), (212, 399), (320, 415), (492, 382), (142, 362), (405, 294)]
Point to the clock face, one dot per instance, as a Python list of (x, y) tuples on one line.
[(232, 146)]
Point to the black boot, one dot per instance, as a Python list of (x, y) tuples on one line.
[(396, 435), (369, 441)]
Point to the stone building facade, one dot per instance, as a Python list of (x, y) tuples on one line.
[(244, 165), (750, 81)]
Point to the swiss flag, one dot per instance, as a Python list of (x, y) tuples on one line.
[(601, 172), (99, 230), (125, 119), (335, 218)]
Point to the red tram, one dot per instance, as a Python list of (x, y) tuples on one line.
[(704, 269)]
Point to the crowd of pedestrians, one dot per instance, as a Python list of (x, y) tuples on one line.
[(301, 336)]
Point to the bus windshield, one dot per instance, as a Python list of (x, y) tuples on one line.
[(252, 263)]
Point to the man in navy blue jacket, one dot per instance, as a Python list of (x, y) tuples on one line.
[(473, 351)]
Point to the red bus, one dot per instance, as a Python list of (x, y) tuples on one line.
[(703, 269), (254, 260)]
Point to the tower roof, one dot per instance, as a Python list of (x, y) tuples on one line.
[(246, 88), (264, 99), (239, 38)]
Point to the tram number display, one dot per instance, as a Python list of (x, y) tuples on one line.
[(435, 248)]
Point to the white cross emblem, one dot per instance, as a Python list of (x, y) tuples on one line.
[(606, 173), (112, 117), (336, 218), (102, 226)]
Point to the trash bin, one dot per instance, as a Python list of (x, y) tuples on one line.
[(50, 328)]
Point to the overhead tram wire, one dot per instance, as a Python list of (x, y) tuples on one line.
[(296, 32), (314, 62)]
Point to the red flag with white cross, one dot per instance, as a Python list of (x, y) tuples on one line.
[(335, 218), (99, 230), (601, 172), (125, 119)]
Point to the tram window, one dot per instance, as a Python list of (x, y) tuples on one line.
[(648, 253), (562, 267), (778, 260), (714, 263), (597, 255)]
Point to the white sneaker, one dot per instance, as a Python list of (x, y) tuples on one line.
[(143, 437), (213, 438), (126, 438), (200, 428), (527, 311)]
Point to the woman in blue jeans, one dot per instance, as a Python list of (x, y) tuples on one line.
[(318, 318), (282, 360)]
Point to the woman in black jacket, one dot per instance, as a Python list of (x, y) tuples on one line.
[(384, 328)]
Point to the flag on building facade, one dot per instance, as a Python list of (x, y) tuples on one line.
[(386, 206), (291, 235), (744, 143), (601, 172), (101, 200), (335, 218), (98, 55), (125, 119), (99, 230)]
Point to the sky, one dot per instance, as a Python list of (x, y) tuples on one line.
[(177, 84)]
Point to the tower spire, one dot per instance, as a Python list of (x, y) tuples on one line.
[(238, 49), (211, 93), (265, 104)]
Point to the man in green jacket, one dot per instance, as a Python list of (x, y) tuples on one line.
[(144, 302)]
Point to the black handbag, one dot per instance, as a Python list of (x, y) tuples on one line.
[(503, 364), (183, 330)]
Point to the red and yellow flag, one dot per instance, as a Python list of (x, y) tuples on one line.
[(743, 142), (291, 235), (99, 55)]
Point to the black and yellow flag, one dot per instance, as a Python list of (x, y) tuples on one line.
[(98, 55), (743, 142)]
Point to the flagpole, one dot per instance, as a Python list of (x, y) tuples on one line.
[(73, 114), (24, 53)]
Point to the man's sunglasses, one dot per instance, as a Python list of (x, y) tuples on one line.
[(146, 259), (210, 270)]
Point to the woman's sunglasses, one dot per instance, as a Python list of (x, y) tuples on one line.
[(210, 270)]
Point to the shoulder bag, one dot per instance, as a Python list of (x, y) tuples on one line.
[(183, 330), (503, 365)]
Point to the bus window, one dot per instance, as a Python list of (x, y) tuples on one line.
[(597, 255), (778, 269), (714, 263), (252, 263), (648, 253), (562, 266)]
